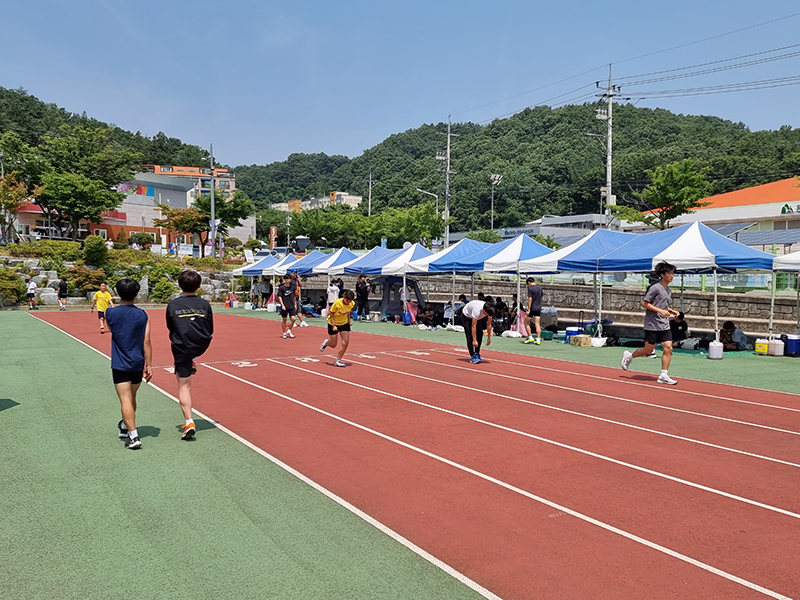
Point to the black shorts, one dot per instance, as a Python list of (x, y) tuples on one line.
[(535, 313), (183, 365), (101, 314), (656, 337), (265, 296), (31, 295), (339, 328), (289, 312), (62, 297), (118, 376)]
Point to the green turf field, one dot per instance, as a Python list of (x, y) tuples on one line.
[(81, 518)]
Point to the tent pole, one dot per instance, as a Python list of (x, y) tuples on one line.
[(797, 312), (682, 292), (453, 302), (472, 281), (716, 308), (519, 291), (404, 297), (771, 303), (600, 309)]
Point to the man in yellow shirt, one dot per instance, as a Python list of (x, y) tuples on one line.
[(102, 300), (339, 321)]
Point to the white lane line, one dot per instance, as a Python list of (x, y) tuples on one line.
[(671, 389), (609, 396), (526, 494), (473, 585), (576, 413), (532, 436)]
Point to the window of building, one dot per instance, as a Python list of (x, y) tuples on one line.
[(206, 171), (180, 170), (181, 239), (101, 232), (192, 170), (84, 227), (223, 183), (166, 169)]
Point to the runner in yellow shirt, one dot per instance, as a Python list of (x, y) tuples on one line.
[(339, 321), (102, 300)]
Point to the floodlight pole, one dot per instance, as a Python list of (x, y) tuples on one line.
[(434, 195), (213, 216), (495, 179)]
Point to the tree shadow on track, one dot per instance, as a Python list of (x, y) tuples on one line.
[(148, 431), (6, 403)]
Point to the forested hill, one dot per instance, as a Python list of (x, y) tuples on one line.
[(33, 120), (548, 162)]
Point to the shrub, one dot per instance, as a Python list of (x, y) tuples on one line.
[(95, 251), (46, 249), (142, 238), (123, 258), (12, 288), (163, 290), (166, 271), (252, 244), (205, 263), (122, 238), (232, 242), (53, 264), (85, 279)]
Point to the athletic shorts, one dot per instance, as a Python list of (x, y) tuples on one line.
[(101, 315), (31, 295), (62, 297), (183, 364), (289, 312), (339, 328), (265, 296), (656, 337), (535, 313), (134, 377)]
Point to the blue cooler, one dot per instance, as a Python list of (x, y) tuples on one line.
[(570, 331), (792, 345), (407, 318)]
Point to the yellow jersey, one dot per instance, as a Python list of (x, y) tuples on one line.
[(340, 312), (102, 299)]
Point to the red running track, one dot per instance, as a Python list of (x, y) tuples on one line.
[(535, 478)]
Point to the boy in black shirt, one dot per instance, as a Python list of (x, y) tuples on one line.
[(191, 326), (62, 294), (286, 296)]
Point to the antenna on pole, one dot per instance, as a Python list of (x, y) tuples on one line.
[(445, 156), (606, 114)]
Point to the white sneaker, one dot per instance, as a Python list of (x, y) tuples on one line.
[(338, 363), (666, 379), (652, 355), (303, 324), (323, 345), (291, 335), (627, 357), (284, 335)]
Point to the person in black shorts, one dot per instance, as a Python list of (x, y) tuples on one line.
[(191, 326), (340, 319), (287, 297), (656, 322), (131, 356), (62, 294), (534, 312)]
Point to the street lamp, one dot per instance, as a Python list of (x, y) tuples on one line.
[(495, 179), (431, 194)]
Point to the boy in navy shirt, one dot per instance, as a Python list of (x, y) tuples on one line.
[(131, 356), (191, 326)]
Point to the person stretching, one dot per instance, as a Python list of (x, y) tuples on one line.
[(339, 321), (472, 318)]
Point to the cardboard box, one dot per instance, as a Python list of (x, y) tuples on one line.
[(580, 340)]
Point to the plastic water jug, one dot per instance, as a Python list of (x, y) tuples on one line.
[(762, 346), (715, 349), (407, 318), (775, 347)]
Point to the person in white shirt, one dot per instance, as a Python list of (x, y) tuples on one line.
[(110, 244), (475, 316), (333, 294), (31, 290)]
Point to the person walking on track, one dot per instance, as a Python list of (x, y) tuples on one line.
[(656, 322), (287, 299), (102, 300), (472, 318), (131, 356), (534, 312), (191, 326), (339, 322), (297, 286)]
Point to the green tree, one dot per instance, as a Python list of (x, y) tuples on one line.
[(233, 243), (142, 238), (181, 220), (13, 194), (268, 218), (488, 236), (252, 244), (675, 189), (73, 197)]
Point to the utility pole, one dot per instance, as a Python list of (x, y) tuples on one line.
[(447, 173), (369, 202), (607, 116), (213, 216)]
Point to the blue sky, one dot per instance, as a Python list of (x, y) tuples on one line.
[(263, 79)]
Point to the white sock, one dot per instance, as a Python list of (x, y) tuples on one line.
[(190, 421), (664, 372), (133, 434)]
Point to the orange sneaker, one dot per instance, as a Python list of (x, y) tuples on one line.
[(188, 431)]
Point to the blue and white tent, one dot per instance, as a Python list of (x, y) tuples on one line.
[(580, 257), (787, 262), (257, 268), (445, 260), (397, 263), (503, 256), (695, 248), (306, 263), (356, 266), (340, 257), (280, 267)]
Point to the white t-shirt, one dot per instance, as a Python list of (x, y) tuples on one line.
[(109, 244), (31, 286), (333, 294), (474, 309)]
